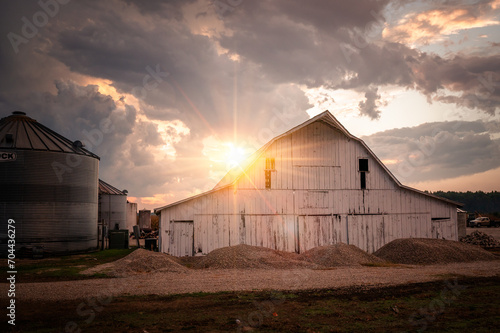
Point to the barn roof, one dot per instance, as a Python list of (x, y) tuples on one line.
[(18, 131), (105, 188), (234, 174)]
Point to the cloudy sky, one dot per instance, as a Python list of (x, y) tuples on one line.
[(190, 87)]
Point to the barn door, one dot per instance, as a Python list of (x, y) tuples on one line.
[(315, 230), (183, 239)]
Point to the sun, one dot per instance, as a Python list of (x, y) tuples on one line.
[(234, 155)]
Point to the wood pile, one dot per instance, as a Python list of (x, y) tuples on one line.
[(481, 239)]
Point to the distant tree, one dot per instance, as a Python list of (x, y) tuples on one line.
[(481, 202)]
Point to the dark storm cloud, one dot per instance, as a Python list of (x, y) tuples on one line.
[(148, 49), (369, 106), (165, 8), (291, 46), (477, 79), (438, 150)]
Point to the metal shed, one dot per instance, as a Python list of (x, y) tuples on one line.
[(49, 188), (314, 185)]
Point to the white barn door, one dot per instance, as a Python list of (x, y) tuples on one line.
[(183, 238), (315, 230)]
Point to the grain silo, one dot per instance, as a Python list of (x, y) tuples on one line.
[(112, 206), (131, 215), (49, 188), (145, 219)]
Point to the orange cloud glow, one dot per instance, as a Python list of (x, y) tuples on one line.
[(433, 25)]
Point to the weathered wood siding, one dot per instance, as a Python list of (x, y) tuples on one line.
[(315, 199)]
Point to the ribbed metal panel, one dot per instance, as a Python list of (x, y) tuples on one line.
[(113, 210), (51, 194)]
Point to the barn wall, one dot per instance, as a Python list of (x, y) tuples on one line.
[(315, 199)]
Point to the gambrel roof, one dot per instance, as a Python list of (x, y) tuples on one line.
[(237, 172)]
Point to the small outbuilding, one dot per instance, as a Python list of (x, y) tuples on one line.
[(314, 185)]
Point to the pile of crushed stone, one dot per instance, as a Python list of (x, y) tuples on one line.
[(339, 255), (139, 261), (247, 256), (425, 251), (481, 239)]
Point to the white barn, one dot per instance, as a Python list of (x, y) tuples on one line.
[(314, 185)]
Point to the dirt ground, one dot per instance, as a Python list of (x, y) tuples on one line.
[(373, 296), (447, 305), (192, 281)]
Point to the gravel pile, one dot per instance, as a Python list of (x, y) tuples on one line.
[(247, 256), (339, 255), (139, 261), (481, 239), (424, 251)]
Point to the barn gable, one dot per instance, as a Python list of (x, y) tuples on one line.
[(307, 187)]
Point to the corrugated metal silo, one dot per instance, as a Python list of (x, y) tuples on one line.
[(112, 206), (49, 188)]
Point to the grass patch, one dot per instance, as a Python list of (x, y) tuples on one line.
[(465, 304), (65, 267)]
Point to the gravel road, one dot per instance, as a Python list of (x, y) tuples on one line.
[(248, 279)]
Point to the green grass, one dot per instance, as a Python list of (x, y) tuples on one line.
[(65, 267)]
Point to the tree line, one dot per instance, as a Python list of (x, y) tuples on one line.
[(481, 202)]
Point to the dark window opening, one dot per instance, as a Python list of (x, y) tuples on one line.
[(363, 164), (268, 179), (363, 180)]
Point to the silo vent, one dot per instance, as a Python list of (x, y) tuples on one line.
[(78, 144), (19, 113), (9, 138)]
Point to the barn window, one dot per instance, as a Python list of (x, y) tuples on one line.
[(270, 163), (269, 168), (363, 180), (363, 164), (363, 169)]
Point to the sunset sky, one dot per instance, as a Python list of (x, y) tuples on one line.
[(192, 87)]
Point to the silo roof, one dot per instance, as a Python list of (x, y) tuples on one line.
[(19, 131), (105, 188)]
